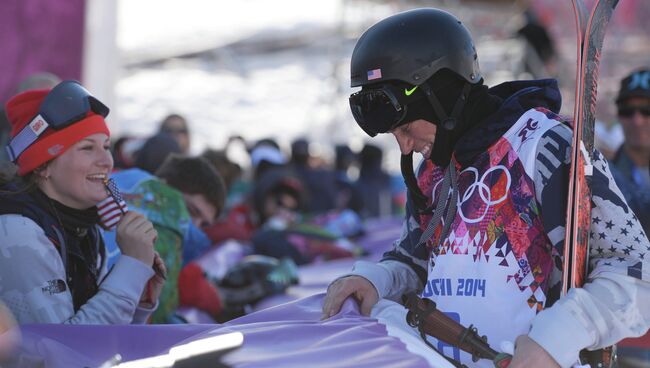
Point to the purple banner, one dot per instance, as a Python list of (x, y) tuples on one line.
[(289, 335), (39, 36)]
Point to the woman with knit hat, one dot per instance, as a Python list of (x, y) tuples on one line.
[(51, 251)]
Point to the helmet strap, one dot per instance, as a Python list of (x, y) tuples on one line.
[(417, 197), (447, 122)]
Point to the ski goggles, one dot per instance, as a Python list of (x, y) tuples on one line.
[(67, 103), (381, 109), (629, 111)]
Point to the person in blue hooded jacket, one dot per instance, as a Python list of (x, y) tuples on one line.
[(186, 195), (497, 161)]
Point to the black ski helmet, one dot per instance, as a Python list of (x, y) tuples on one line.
[(412, 46)]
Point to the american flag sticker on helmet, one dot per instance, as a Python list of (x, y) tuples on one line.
[(112, 208), (374, 74)]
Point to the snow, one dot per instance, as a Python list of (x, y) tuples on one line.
[(280, 69), (255, 68)]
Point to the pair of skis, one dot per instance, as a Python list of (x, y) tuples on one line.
[(590, 35)]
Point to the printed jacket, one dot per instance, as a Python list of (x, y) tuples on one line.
[(500, 266), (178, 240)]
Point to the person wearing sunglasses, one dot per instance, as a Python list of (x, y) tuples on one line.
[(176, 126), (52, 255), (633, 157), (484, 230), (631, 163)]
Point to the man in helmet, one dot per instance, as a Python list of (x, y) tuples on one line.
[(485, 217)]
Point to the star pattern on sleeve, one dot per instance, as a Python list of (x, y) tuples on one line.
[(616, 237)]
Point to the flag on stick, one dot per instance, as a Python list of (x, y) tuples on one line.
[(112, 208)]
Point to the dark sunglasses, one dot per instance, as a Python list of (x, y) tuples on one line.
[(382, 109), (629, 111), (280, 202), (175, 131), (67, 103)]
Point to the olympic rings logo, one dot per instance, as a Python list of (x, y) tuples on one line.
[(484, 191)]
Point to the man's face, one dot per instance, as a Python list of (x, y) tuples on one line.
[(177, 128), (416, 136), (634, 117), (203, 213)]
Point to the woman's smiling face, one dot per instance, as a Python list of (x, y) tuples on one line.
[(76, 178)]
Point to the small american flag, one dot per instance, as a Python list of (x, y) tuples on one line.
[(112, 208), (374, 74)]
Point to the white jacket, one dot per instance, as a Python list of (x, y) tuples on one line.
[(33, 281)]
